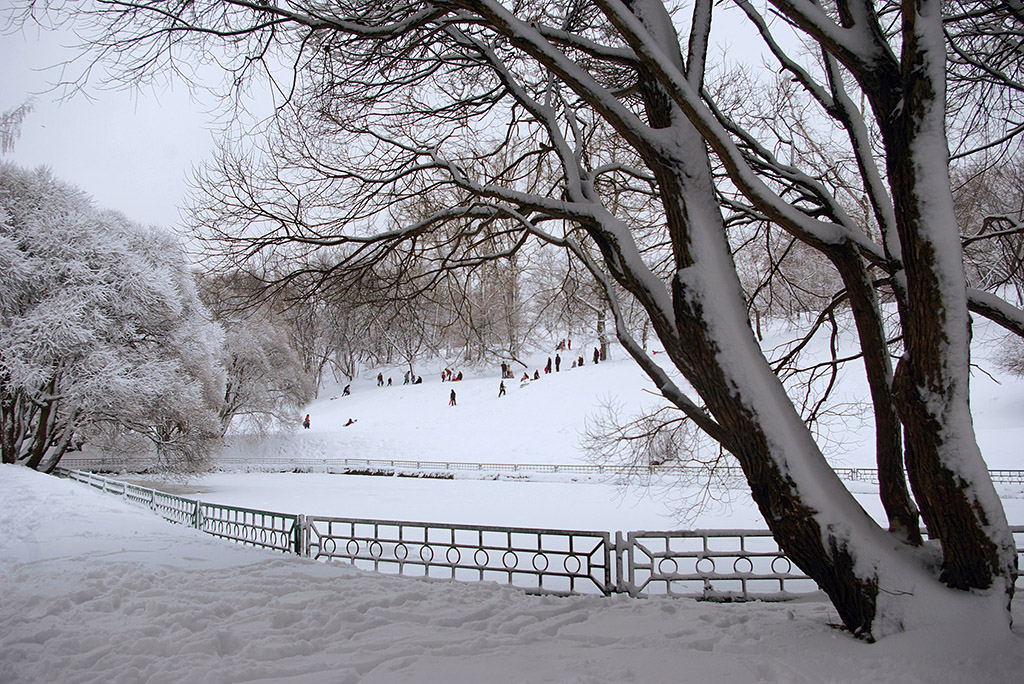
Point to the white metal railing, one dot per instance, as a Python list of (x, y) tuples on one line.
[(393, 466), (546, 560), (712, 564)]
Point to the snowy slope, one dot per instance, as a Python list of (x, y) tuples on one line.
[(543, 422), (538, 423)]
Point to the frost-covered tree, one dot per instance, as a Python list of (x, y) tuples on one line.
[(612, 146), (102, 334), (10, 125), (265, 382)]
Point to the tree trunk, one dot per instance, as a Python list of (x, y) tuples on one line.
[(869, 575), (947, 473)]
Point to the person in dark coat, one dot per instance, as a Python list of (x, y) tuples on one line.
[(597, 355), (305, 422), (501, 389), (380, 379), (558, 362), (547, 368), (451, 401), (347, 391)]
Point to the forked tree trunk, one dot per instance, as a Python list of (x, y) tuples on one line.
[(947, 473), (871, 576)]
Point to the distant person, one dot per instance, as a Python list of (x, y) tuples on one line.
[(419, 380), (597, 355), (524, 381), (580, 360), (573, 365), (501, 389), (350, 421), (305, 422), (558, 362), (458, 378), (547, 368), (389, 382), (347, 391), (570, 344), (406, 381), (451, 401), (380, 379), (536, 375)]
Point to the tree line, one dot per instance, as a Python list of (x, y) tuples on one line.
[(110, 337)]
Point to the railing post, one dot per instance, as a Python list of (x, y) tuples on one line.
[(198, 518), (301, 536), (620, 545)]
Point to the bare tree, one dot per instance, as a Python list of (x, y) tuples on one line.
[(501, 114)]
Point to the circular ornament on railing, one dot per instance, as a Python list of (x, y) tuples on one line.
[(448, 555), (782, 562), (705, 565), (376, 549), (573, 561), (426, 553), (505, 559), (401, 551), (743, 566), (540, 562), (668, 566), (485, 561), (328, 546), (352, 547), (263, 536)]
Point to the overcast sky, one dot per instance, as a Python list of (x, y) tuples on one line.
[(131, 152)]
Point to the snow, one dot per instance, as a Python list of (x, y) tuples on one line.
[(98, 590)]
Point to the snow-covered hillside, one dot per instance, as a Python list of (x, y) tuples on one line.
[(543, 421)]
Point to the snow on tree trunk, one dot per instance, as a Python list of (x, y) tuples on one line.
[(947, 473), (876, 583)]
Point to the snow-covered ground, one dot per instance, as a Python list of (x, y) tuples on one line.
[(100, 591), (543, 422), (97, 590)]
